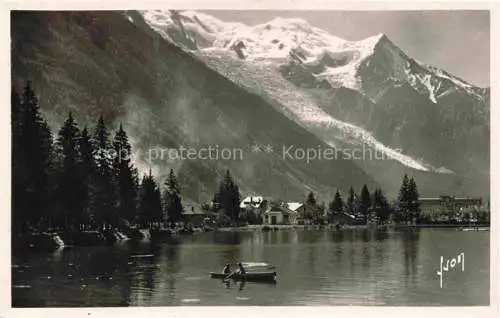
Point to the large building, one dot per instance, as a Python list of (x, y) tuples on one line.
[(448, 205)]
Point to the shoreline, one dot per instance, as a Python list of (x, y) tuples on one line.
[(32, 242), (329, 227)]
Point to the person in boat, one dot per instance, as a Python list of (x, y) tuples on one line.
[(227, 269), (241, 269)]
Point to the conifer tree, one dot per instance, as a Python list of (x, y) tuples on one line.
[(34, 156), (351, 202), (311, 200), (125, 176), (337, 205), (364, 203), (413, 200), (172, 199), (150, 207), (228, 197), (311, 208), (381, 206), (19, 179), (105, 202), (70, 189), (403, 200), (88, 169)]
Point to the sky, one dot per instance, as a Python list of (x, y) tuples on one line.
[(456, 41)]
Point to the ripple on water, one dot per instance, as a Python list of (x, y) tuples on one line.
[(146, 266), (191, 300), (141, 256), (21, 286)]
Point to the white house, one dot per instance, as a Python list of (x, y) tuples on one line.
[(282, 213), (253, 202)]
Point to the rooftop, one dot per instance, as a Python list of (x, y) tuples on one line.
[(254, 201), (294, 206)]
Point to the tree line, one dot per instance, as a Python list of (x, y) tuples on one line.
[(80, 178), (372, 207)]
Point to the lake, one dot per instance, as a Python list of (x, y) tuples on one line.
[(344, 267)]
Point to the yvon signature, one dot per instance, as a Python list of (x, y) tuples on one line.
[(449, 265)]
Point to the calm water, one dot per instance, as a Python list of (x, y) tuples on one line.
[(349, 267)]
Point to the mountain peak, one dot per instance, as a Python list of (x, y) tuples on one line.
[(375, 41), (381, 36), (288, 23)]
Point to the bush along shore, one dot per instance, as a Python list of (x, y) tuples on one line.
[(339, 227), (50, 241)]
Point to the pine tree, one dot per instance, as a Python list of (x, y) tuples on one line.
[(364, 203), (88, 168), (413, 200), (381, 206), (16, 120), (70, 186), (105, 202), (403, 200), (311, 200), (310, 207), (33, 155), (19, 178), (228, 197), (351, 202), (171, 183), (172, 199), (320, 211), (150, 207), (217, 199), (337, 205), (125, 176)]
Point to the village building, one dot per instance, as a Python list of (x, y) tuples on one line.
[(252, 202), (343, 218), (448, 205), (296, 207), (283, 213), (194, 215)]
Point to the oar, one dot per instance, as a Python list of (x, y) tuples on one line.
[(228, 276)]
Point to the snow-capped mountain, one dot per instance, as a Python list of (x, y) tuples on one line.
[(264, 48), (365, 92), (328, 57), (100, 63)]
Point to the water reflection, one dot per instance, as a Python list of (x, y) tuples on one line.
[(411, 239), (381, 234), (223, 237), (337, 236), (366, 235), (339, 267), (228, 284)]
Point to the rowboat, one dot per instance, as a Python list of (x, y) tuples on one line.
[(249, 277), (258, 266)]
